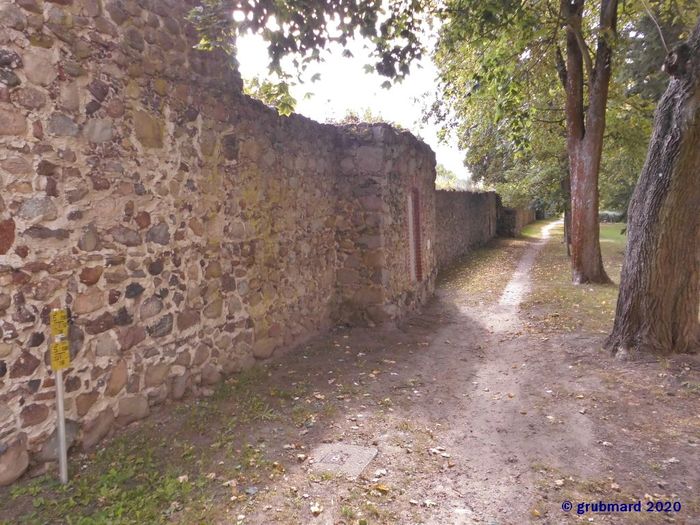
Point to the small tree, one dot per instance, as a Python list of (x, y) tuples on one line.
[(657, 308)]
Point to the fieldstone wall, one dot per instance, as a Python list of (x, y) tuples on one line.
[(464, 220), (511, 221), (380, 167), (190, 229)]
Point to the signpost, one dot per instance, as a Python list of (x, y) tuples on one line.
[(60, 359)]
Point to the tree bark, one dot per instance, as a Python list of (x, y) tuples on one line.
[(566, 190), (659, 300), (585, 129)]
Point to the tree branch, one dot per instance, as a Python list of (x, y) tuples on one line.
[(561, 67), (585, 51)]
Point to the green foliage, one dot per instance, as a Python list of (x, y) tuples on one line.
[(365, 116), (301, 30), (446, 179), (123, 485), (501, 93), (502, 98), (274, 94)]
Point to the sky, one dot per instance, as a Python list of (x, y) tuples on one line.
[(345, 86)]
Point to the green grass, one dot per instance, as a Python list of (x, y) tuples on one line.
[(534, 229), (159, 471), (556, 304), (128, 482)]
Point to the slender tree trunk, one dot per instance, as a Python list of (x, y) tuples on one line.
[(585, 129), (657, 308)]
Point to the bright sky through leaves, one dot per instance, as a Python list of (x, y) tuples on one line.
[(344, 86)]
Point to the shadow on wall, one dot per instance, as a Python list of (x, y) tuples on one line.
[(465, 220)]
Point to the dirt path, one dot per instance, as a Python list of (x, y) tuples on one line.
[(478, 416), (519, 284), (480, 419)]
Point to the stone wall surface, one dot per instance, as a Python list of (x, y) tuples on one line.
[(189, 229), (380, 168), (464, 220), (511, 221)]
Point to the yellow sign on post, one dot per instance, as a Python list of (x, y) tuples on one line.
[(59, 323), (60, 355), (60, 359), (60, 350)]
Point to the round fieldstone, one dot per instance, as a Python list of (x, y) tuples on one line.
[(88, 240), (14, 459), (125, 236), (49, 450), (31, 98), (163, 327), (133, 290), (123, 317), (9, 78), (101, 324), (10, 59), (84, 402), (159, 234), (99, 130), (152, 307), (149, 130), (98, 89), (155, 267), (117, 379), (156, 374), (41, 208), (104, 345), (12, 16), (97, 428), (132, 408), (131, 336), (25, 365), (89, 301), (16, 165), (62, 125), (33, 414), (143, 219), (12, 122), (90, 275)]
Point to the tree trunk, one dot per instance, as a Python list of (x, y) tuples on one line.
[(657, 308), (586, 259), (585, 130), (566, 191)]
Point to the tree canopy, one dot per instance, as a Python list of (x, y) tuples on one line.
[(502, 94)]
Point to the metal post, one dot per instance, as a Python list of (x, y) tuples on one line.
[(62, 449)]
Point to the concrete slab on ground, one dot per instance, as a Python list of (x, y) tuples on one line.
[(341, 458)]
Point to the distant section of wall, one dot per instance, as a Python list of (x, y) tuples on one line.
[(190, 229), (463, 220), (511, 221)]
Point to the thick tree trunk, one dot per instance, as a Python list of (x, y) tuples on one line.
[(657, 308), (566, 191), (586, 259), (585, 130)]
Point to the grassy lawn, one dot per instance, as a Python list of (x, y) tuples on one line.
[(556, 304)]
